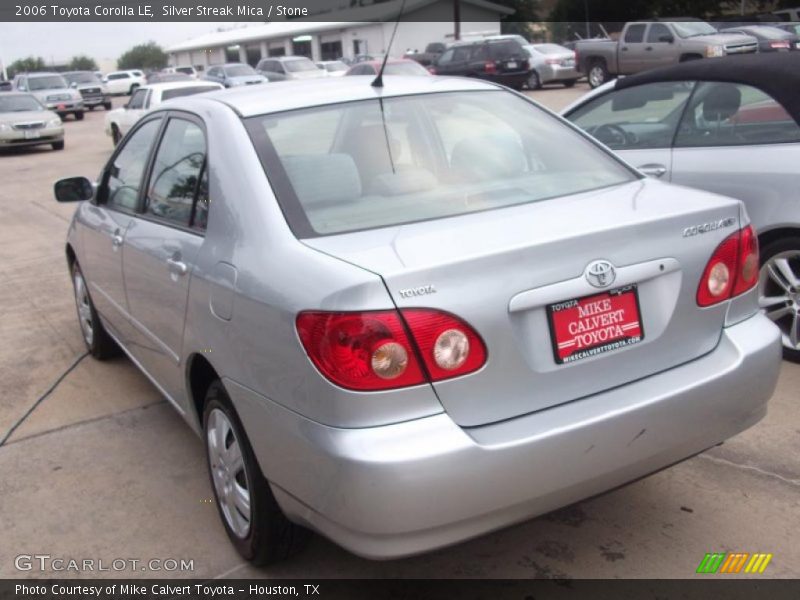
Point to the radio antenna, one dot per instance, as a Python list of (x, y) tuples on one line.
[(378, 81)]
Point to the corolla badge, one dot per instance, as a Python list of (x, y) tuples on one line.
[(600, 273)]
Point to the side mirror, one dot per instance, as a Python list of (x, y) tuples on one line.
[(666, 38), (73, 189)]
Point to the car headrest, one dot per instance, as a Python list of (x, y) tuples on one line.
[(323, 178), (486, 157), (408, 180), (722, 102)]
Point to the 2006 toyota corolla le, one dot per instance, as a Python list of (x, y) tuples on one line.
[(407, 315)]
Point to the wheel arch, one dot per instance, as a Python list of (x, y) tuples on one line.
[(772, 235), (200, 374), (71, 256)]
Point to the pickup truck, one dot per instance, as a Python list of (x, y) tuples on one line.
[(644, 45), (432, 51)]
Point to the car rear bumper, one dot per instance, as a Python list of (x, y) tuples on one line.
[(558, 73), (397, 490)]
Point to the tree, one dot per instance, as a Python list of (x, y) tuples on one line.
[(525, 13), (143, 56), (82, 63), (26, 65)]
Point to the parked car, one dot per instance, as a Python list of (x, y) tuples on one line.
[(397, 66), (167, 77), (119, 121), (646, 45), (181, 69), (124, 82), (24, 121), (409, 316), (334, 68), (502, 60), (52, 90), (234, 74), (551, 63), (770, 39), (286, 68), (432, 51), (92, 90), (729, 127)]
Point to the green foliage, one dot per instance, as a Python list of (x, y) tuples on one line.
[(82, 63), (26, 65), (143, 56)]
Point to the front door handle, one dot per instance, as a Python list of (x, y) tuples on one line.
[(653, 170), (177, 266)]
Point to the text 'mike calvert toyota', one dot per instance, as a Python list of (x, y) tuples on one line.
[(444, 312)]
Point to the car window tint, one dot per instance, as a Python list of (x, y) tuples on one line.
[(645, 116), (501, 50), (635, 34), (727, 114), (176, 171), (137, 100), (480, 52), (461, 54), (127, 170), (118, 76), (656, 32)]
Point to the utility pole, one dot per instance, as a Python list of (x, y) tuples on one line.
[(457, 19), (586, 18)]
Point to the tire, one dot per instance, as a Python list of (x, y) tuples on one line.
[(597, 74), (778, 259), (79, 116), (116, 136), (570, 83), (58, 145), (265, 536), (534, 82), (98, 342), (107, 105)]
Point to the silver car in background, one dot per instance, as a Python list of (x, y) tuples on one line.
[(551, 63), (53, 91), (731, 126), (444, 312), (25, 122)]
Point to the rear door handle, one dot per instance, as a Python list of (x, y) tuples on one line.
[(177, 266), (653, 170)]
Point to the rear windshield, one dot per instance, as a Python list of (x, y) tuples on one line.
[(551, 49), (414, 158), (301, 64), (405, 68), (187, 91), (47, 82)]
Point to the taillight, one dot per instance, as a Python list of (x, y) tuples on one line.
[(732, 269), (432, 70), (490, 67), (369, 351), (778, 45)]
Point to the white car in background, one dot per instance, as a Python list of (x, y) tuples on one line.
[(124, 82), (147, 97)]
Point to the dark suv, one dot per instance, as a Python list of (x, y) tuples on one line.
[(500, 60)]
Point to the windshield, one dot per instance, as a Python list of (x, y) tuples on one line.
[(687, 29), (81, 77), (376, 164), (240, 71), (298, 65), (405, 68), (48, 82), (335, 66), (19, 104)]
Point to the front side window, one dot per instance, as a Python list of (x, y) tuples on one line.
[(635, 34), (371, 164), (727, 114), (176, 173), (124, 176), (137, 100), (645, 116), (658, 34)]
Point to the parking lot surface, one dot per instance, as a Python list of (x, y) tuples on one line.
[(104, 469)]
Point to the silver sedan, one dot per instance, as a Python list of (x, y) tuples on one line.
[(551, 63), (444, 312)]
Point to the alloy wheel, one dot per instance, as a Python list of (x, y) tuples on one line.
[(228, 473), (84, 307), (779, 295), (596, 76)]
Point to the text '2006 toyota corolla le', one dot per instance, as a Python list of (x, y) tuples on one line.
[(404, 316)]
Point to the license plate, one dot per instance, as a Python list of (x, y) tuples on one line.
[(596, 324), (512, 65), (61, 107), (32, 135)]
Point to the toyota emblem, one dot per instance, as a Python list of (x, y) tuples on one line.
[(600, 273)]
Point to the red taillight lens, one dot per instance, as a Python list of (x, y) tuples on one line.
[(490, 67), (732, 269), (779, 44), (369, 351)]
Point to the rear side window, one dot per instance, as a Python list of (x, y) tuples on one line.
[(126, 172), (118, 76), (176, 173), (422, 157), (727, 114), (645, 116), (635, 34)]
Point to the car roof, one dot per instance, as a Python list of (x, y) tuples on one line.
[(774, 73), (250, 101)]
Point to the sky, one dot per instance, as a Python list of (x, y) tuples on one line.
[(102, 41)]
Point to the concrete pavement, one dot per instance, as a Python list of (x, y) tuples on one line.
[(105, 469)]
